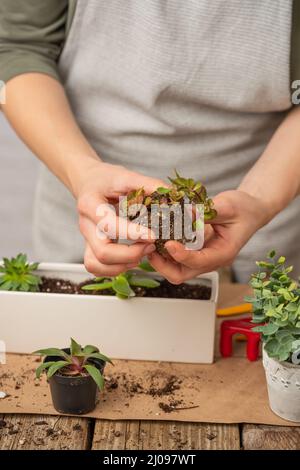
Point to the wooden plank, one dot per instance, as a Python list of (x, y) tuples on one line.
[(162, 435), (42, 432), (256, 437)]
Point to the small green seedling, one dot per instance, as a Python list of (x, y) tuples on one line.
[(77, 362), (16, 274), (138, 206), (122, 284)]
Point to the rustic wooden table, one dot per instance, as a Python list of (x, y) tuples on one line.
[(36, 432), (44, 432)]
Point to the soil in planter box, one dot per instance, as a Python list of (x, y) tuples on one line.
[(165, 290)]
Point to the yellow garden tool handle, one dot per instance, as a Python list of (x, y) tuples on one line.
[(235, 310)]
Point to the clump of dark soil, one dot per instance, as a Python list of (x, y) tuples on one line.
[(158, 385), (171, 406), (164, 387), (165, 290)]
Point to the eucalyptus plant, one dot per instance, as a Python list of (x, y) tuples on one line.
[(17, 274), (122, 284), (276, 304), (78, 361)]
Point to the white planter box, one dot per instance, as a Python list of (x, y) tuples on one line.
[(156, 329)]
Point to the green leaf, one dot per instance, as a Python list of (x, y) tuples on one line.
[(6, 285), (283, 353), (89, 349), (18, 275), (272, 347), (100, 356), (140, 281), (75, 348), (272, 254), (286, 294), (51, 352), (42, 367), (96, 375), (271, 312), (121, 286), (162, 190), (267, 330), (103, 286), (33, 266), (32, 280), (146, 266), (121, 296), (296, 345), (55, 367), (256, 284)]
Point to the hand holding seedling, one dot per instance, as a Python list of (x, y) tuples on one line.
[(239, 216), (102, 185)]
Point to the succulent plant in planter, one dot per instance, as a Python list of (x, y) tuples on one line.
[(160, 310), (164, 208), (122, 284), (276, 304), (17, 274), (74, 374)]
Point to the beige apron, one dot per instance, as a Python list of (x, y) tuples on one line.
[(158, 84)]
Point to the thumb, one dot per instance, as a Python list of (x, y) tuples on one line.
[(148, 183)]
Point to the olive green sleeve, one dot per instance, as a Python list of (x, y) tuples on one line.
[(32, 33)]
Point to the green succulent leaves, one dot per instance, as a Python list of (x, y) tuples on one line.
[(195, 192), (16, 274), (121, 284), (276, 304), (78, 361), (181, 188)]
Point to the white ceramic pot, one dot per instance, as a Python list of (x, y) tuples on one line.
[(156, 329), (283, 380)]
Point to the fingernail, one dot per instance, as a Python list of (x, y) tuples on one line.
[(172, 250), (149, 249)]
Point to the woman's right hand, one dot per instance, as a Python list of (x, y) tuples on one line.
[(100, 186)]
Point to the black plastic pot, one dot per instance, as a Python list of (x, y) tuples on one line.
[(74, 395)]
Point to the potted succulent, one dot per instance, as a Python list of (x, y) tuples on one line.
[(276, 304), (74, 375), (17, 274), (162, 322)]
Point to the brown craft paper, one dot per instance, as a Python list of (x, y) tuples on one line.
[(231, 390)]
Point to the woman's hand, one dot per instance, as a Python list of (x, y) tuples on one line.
[(101, 185), (240, 215)]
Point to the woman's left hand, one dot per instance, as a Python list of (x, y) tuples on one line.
[(240, 215)]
